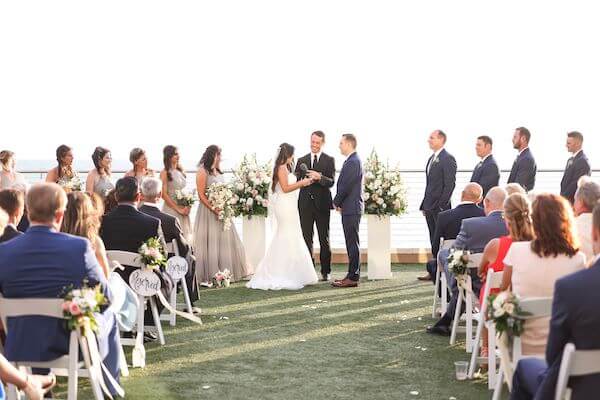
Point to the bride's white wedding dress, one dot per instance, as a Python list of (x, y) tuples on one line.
[(287, 263)]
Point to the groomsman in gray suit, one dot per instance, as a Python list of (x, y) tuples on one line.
[(486, 172), (524, 168), (577, 166)]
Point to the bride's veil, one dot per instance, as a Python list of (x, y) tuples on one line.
[(273, 199)]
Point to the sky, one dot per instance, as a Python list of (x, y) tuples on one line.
[(249, 75)]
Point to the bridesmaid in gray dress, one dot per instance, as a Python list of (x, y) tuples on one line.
[(98, 180), (173, 179), (216, 249)]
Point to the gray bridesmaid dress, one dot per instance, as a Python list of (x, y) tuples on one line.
[(178, 182), (217, 249)]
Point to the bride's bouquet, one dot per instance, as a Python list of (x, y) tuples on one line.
[(384, 191), (250, 184), (220, 196)]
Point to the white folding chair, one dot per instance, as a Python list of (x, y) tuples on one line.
[(470, 316), (131, 260), (536, 308), (575, 363), (172, 248), (441, 285), (68, 365), (493, 281)]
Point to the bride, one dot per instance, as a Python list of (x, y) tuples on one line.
[(287, 263)]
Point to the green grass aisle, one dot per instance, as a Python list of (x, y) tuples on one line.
[(318, 343)]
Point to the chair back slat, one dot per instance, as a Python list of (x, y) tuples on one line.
[(585, 362), (475, 260), (494, 280), (446, 244), (31, 306), (538, 307), (172, 248), (125, 258)]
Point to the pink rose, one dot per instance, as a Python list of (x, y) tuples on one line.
[(74, 309), (66, 305)]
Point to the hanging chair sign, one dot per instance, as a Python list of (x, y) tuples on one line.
[(144, 282), (177, 267)]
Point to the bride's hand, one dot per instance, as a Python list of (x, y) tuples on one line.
[(306, 182)]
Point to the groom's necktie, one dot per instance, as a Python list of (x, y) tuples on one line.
[(314, 161)]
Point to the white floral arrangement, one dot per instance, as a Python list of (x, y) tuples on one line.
[(250, 184), (221, 197), (80, 305), (71, 183), (151, 254), (222, 278), (506, 313), (185, 199), (384, 192), (458, 262)]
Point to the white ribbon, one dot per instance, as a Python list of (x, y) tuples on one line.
[(185, 315)]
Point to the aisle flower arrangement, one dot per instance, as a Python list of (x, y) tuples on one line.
[(152, 254), (80, 305)]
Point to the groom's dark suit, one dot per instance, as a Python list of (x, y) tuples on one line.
[(349, 199), (315, 204)]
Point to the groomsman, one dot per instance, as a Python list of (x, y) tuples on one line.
[(441, 180), (577, 166), (314, 201), (486, 172), (524, 168)]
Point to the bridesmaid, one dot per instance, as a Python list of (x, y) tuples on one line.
[(173, 179), (140, 169), (64, 171), (98, 179), (9, 177), (216, 249)]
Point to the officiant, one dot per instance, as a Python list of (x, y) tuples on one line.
[(314, 201)]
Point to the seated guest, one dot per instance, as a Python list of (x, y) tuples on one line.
[(11, 201), (34, 386), (40, 264), (475, 234), (448, 223), (532, 268), (3, 221), (81, 220), (586, 198), (110, 202), (513, 188), (151, 195), (126, 229), (517, 214), (575, 319)]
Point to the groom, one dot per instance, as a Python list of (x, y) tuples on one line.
[(349, 202), (314, 201)]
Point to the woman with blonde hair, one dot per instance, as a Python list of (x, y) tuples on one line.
[(9, 177), (82, 219)]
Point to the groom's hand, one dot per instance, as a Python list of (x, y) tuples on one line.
[(338, 209), (314, 175)]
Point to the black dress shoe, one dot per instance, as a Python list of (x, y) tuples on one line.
[(150, 337), (441, 330), (325, 277)]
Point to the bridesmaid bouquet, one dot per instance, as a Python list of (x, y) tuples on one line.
[(151, 254), (384, 190), (184, 198), (222, 279), (251, 182), (70, 183), (220, 196), (80, 305), (504, 310)]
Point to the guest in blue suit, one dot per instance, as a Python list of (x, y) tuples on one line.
[(486, 172), (524, 168), (42, 263), (577, 166), (449, 222), (349, 202), (475, 234), (575, 319), (440, 181)]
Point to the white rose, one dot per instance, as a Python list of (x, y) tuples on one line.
[(250, 202), (509, 308), (380, 201)]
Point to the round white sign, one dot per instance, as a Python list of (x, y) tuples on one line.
[(177, 267), (144, 282)]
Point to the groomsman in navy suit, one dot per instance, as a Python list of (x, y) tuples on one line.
[(441, 180), (524, 168), (486, 172), (577, 166), (42, 263), (349, 202), (575, 319)]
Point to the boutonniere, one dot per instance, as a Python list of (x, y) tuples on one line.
[(435, 161)]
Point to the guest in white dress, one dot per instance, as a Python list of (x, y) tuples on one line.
[(173, 179), (63, 172), (9, 177), (99, 179), (216, 248), (586, 198), (287, 263), (532, 268), (140, 169)]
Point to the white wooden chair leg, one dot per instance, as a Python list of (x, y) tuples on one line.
[(491, 356), (444, 293), (173, 302), (73, 367), (435, 293), (186, 295), (469, 330), (476, 345), (123, 361), (498, 387), (456, 320), (157, 323)]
